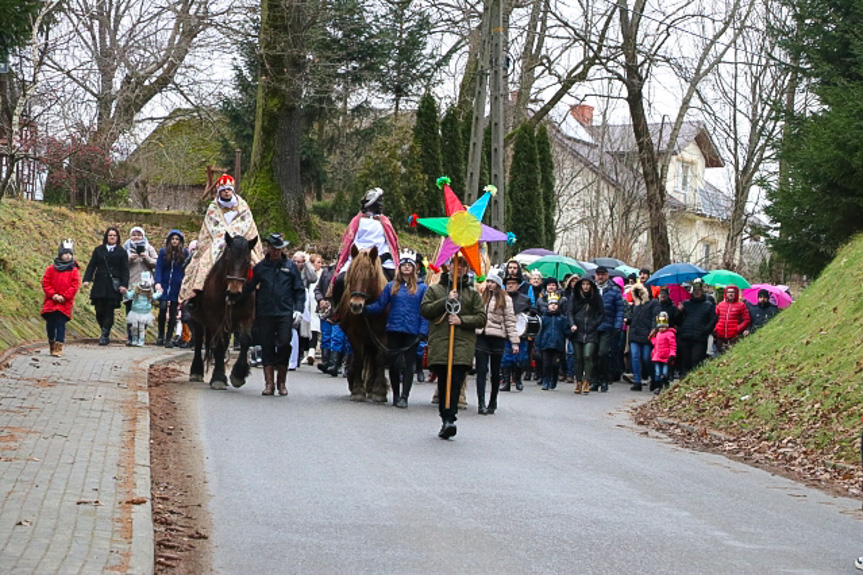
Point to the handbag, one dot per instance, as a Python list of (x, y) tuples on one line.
[(115, 282)]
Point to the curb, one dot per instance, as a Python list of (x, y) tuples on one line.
[(692, 429), (143, 554)]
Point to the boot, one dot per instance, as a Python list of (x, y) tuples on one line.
[(142, 336), (130, 340), (281, 379), (58, 349), (527, 373), (546, 384), (51, 346), (604, 387), (505, 379), (519, 386), (594, 386), (578, 385), (462, 398), (585, 387), (481, 406), (104, 337), (421, 376), (325, 358), (334, 364), (635, 386), (269, 380)]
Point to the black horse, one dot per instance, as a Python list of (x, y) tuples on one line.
[(220, 310)]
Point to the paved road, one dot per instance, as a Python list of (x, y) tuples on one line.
[(553, 483)]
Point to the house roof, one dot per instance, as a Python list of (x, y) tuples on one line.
[(621, 139)]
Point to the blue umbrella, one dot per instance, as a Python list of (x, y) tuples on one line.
[(675, 274)]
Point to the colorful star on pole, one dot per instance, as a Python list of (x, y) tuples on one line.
[(463, 227)]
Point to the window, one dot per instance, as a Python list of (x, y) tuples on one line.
[(706, 253)]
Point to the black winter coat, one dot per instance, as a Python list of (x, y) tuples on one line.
[(586, 314), (281, 290), (672, 311), (761, 315), (697, 320), (97, 272), (520, 302), (324, 283), (642, 318)]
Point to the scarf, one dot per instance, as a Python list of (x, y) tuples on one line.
[(62, 266), (228, 205)]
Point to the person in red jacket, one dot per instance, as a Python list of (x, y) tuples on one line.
[(60, 284), (733, 319)]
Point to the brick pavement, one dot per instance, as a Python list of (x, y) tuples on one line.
[(74, 456)]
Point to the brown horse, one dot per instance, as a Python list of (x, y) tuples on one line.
[(220, 310), (364, 282)]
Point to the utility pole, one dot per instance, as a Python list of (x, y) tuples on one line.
[(490, 63)]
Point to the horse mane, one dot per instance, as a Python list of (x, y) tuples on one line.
[(364, 276), (237, 250)]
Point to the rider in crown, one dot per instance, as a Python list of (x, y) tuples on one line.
[(368, 229)]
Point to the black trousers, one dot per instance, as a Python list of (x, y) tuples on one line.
[(403, 350), (168, 308), (602, 370), (459, 374), (550, 365), (105, 312), (489, 350), (690, 354), (275, 338)]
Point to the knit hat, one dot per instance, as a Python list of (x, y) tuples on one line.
[(494, 278), (65, 247), (763, 293), (662, 319)]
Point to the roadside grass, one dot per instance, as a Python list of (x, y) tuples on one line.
[(797, 381)]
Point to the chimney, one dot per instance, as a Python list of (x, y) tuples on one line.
[(583, 113)]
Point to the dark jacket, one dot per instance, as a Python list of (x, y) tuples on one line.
[(555, 329), (760, 315), (97, 272), (586, 314), (697, 320), (672, 311), (404, 314), (641, 321), (472, 315), (612, 301), (324, 282), (520, 302), (281, 290), (170, 275)]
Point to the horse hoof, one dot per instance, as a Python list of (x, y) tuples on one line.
[(219, 385), (358, 397), (237, 382), (379, 398), (196, 378)]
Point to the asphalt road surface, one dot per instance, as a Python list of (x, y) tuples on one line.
[(552, 483)]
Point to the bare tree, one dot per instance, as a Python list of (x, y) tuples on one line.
[(18, 89), (739, 99), (649, 41)]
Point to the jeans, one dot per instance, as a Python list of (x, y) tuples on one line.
[(459, 373), (660, 370), (55, 325), (602, 374), (401, 361), (691, 354), (639, 355), (168, 308), (275, 337), (570, 358), (584, 353)]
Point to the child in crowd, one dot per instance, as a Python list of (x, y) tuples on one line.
[(60, 284), (552, 340), (664, 341), (140, 315)]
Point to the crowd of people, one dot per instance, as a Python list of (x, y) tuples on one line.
[(510, 327)]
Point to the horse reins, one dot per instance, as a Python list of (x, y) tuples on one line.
[(374, 337)]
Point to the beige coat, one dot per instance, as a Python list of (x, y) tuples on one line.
[(211, 242), (500, 322)]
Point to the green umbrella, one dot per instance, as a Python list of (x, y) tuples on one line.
[(628, 270), (556, 266), (723, 278)]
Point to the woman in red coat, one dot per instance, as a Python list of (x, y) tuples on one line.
[(60, 284)]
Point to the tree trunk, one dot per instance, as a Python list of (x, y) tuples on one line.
[(286, 161)]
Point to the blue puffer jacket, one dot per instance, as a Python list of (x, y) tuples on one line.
[(612, 301), (404, 309), (555, 329), (170, 275)]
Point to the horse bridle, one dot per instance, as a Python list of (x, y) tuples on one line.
[(237, 278)]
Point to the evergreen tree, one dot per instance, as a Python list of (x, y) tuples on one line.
[(546, 180), (18, 18), (427, 139), (404, 31), (819, 205), (526, 213), (451, 150)]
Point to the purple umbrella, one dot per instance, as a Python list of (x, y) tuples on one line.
[(537, 252), (777, 295)]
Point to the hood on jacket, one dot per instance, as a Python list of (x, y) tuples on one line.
[(173, 233), (129, 243), (640, 294), (580, 294), (734, 292)]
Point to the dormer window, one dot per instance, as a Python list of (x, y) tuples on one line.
[(686, 181)]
